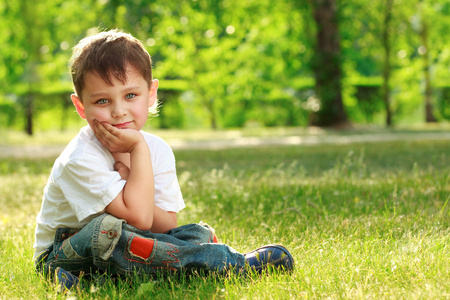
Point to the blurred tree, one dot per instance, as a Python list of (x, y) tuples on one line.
[(36, 46), (414, 63), (26, 40), (387, 63), (239, 61), (440, 54), (424, 14), (237, 64), (327, 65)]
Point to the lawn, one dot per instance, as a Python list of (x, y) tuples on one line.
[(362, 220)]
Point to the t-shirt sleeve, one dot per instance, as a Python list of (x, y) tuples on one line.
[(89, 185), (167, 189)]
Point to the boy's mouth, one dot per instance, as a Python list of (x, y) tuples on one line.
[(122, 125)]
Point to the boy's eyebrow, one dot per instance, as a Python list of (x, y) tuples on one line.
[(127, 89), (132, 88)]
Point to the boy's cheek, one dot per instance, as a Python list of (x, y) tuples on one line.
[(92, 117), (92, 124)]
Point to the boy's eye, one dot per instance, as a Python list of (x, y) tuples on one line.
[(102, 101), (130, 96)]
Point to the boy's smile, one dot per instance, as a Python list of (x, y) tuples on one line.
[(122, 104), (122, 125)]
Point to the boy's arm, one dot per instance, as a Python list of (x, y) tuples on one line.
[(162, 220), (135, 203)]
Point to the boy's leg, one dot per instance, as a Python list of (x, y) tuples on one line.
[(108, 244), (194, 233)]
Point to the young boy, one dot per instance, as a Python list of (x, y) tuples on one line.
[(111, 202)]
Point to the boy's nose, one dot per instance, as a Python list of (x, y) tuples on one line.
[(118, 110)]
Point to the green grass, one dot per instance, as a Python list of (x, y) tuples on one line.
[(361, 220)]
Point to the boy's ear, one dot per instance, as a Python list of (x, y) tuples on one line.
[(78, 105), (153, 93)]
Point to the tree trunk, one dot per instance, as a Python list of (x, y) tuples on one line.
[(429, 116), (29, 109), (212, 113), (327, 66), (387, 63), (33, 33)]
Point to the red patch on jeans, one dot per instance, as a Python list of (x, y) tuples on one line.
[(141, 247), (215, 239)]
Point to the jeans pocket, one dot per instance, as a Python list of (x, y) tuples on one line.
[(108, 236)]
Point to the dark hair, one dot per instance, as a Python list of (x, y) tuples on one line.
[(107, 54)]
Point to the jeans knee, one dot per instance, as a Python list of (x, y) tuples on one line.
[(212, 233)]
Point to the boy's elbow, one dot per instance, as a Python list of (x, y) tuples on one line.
[(174, 219), (144, 222), (169, 226)]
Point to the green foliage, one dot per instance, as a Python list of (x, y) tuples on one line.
[(443, 97), (8, 113), (240, 62)]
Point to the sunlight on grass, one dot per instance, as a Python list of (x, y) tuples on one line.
[(361, 222), (62, 137)]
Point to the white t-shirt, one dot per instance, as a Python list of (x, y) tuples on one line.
[(83, 182)]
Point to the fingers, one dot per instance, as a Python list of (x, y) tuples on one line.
[(105, 129), (116, 140), (123, 170), (104, 134)]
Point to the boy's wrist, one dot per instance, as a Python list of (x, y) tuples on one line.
[(140, 144)]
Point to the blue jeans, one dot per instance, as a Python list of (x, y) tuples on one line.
[(108, 244)]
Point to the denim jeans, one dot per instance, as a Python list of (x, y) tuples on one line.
[(108, 244)]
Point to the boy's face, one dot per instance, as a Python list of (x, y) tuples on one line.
[(123, 105)]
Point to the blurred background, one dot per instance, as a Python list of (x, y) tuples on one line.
[(238, 64)]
